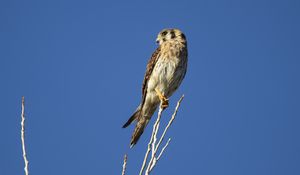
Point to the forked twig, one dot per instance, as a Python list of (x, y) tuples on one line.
[(163, 149), (153, 145), (151, 140)]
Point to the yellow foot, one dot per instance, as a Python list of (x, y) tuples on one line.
[(163, 99)]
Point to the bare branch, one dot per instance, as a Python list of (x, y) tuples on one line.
[(153, 135), (170, 122), (23, 136), (146, 156), (124, 164), (153, 145), (163, 149)]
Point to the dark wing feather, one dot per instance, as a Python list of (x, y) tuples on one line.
[(149, 70)]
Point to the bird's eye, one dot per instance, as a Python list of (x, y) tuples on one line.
[(164, 33)]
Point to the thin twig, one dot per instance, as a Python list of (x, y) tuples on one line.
[(23, 137), (146, 156), (154, 133), (163, 149), (156, 159), (124, 164), (153, 160), (151, 141), (170, 122)]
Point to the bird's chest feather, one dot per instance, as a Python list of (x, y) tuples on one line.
[(163, 73), (165, 68)]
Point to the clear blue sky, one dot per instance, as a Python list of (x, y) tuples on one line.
[(80, 66)]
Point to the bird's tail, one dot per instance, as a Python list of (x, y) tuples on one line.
[(138, 130), (140, 125), (134, 116)]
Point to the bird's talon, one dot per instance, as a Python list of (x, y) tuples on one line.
[(164, 106), (165, 103), (163, 99)]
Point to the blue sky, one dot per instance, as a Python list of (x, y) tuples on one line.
[(80, 66)]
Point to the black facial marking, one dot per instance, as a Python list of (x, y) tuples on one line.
[(182, 36), (173, 34), (164, 39), (164, 33)]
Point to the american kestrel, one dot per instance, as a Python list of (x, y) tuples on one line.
[(165, 72)]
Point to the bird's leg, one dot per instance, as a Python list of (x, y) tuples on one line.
[(163, 99)]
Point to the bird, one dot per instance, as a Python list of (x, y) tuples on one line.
[(164, 73)]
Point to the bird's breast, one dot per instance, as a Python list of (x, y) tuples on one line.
[(163, 73), (169, 69)]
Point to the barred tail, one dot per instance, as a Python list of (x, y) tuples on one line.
[(138, 131), (134, 116), (140, 125)]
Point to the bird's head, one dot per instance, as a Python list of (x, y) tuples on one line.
[(167, 35)]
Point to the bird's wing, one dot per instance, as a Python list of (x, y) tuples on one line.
[(150, 66)]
